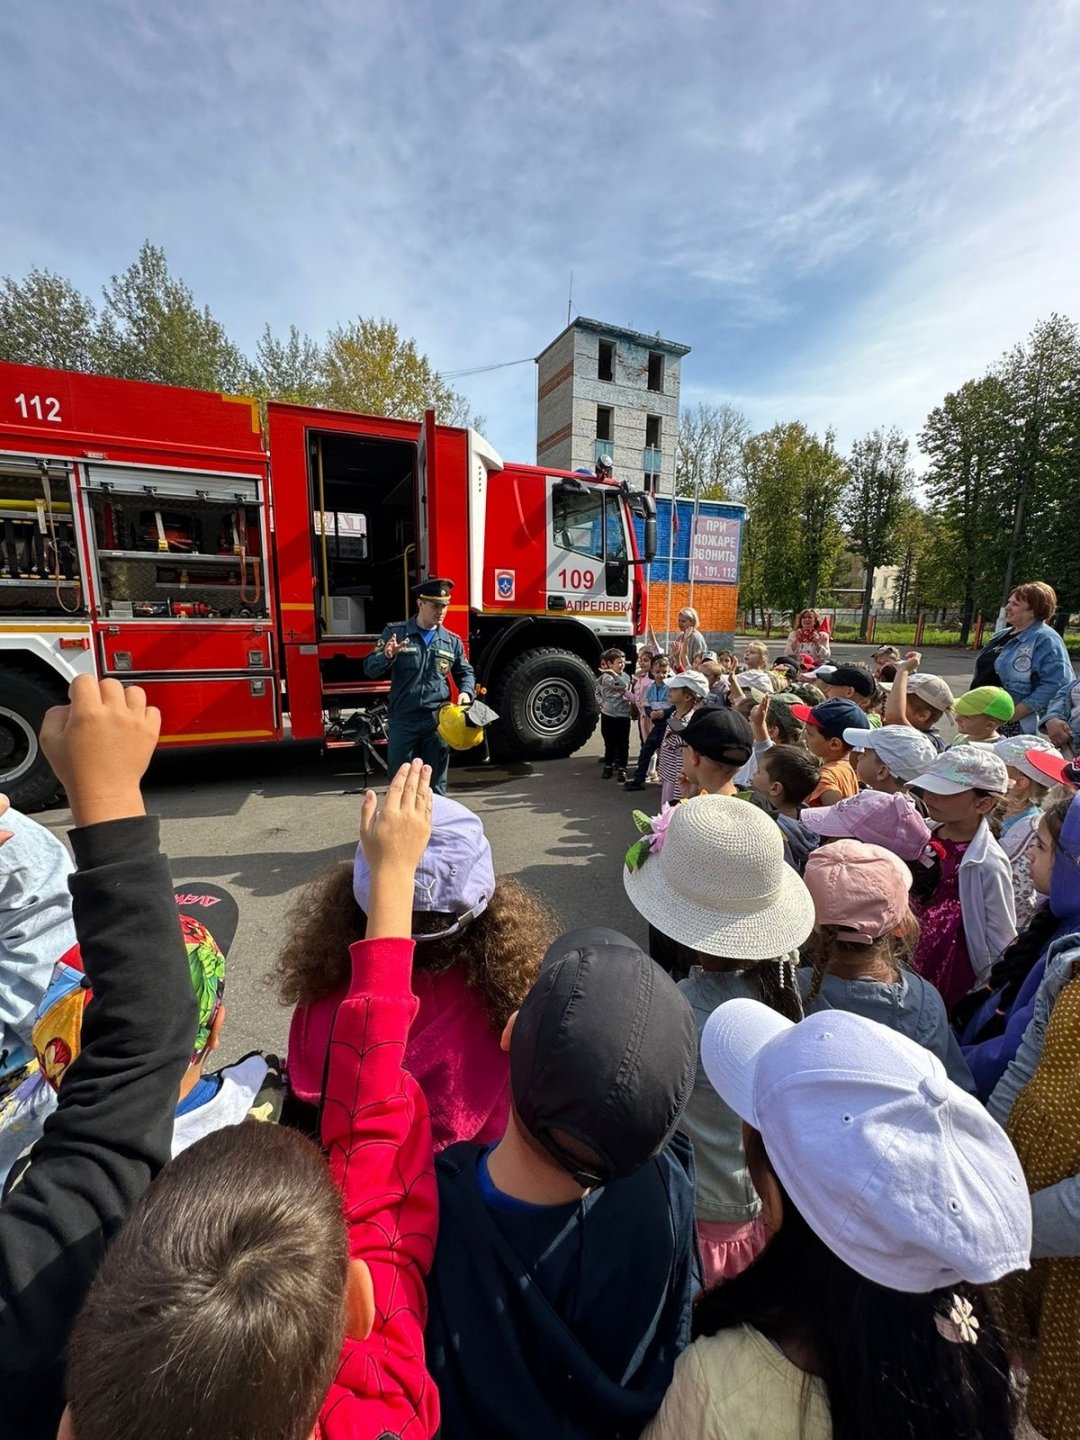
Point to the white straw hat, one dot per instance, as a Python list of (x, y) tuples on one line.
[(902, 1174), (719, 883)]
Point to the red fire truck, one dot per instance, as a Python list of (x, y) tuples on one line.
[(157, 535)]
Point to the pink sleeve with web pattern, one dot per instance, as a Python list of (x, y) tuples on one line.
[(376, 1130)]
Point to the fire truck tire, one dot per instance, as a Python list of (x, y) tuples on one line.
[(26, 777), (546, 701)]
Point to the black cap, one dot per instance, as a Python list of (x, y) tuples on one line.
[(432, 589), (721, 735), (603, 1054), (853, 677)]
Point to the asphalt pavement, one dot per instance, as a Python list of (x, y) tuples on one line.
[(264, 821)]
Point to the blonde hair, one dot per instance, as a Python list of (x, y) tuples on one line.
[(689, 613), (756, 647)]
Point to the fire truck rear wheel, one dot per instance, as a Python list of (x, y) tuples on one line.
[(26, 777), (546, 702)]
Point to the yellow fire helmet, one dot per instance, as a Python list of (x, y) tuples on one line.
[(455, 730)]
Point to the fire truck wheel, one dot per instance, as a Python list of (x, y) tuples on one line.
[(26, 777), (546, 702)]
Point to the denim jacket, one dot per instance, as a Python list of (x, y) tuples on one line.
[(1033, 666), (1066, 706), (1055, 1210)]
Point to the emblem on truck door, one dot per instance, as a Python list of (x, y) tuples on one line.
[(504, 584)]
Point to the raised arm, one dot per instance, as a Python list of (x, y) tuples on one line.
[(112, 1129)]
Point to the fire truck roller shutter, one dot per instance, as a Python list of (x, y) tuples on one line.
[(546, 701), (26, 777)]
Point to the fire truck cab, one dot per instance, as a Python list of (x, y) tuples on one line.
[(240, 576)]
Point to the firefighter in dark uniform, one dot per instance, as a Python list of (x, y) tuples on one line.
[(418, 655)]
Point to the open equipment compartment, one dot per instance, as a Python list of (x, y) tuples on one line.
[(176, 544), (40, 568)]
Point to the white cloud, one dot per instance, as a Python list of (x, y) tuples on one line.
[(844, 210)]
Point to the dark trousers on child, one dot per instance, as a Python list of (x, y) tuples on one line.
[(616, 732), (648, 750)]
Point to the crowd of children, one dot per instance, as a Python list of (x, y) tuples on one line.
[(809, 1167)]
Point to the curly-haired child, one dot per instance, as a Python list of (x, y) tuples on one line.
[(479, 943)]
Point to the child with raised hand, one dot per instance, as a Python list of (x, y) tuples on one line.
[(711, 879), (286, 1298), (112, 1129), (864, 933), (479, 942), (972, 915), (919, 700), (890, 1199)]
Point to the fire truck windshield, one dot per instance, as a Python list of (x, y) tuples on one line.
[(589, 522)]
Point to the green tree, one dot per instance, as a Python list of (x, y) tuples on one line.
[(823, 478), (1039, 377), (708, 452), (965, 438), (881, 479), (791, 483), (45, 320), (289, 369), (368, 367), (152, 329)]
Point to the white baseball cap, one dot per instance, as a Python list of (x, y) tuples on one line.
[(903, 1176), (905, 751), (1014, 750), (965, 767), (691, 680)]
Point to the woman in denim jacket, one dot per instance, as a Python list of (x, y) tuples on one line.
[(1032, 664)]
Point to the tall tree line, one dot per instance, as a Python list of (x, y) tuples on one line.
[(992, 508), (148, 326)]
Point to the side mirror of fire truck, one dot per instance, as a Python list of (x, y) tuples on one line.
[(644, 505)]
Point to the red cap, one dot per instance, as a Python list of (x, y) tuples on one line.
[(1051, 765), (805, 713)]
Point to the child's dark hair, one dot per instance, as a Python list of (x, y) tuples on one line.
[(219, 1309), (793, 768), (499, 954), (887, 1370), (614, 653), (827, 942)]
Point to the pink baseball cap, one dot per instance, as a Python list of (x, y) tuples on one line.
[(862, 889), (875, 818)]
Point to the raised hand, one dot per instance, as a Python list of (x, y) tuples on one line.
[(394, 838), (100, 745)]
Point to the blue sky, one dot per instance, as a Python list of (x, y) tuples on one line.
[(846, 208)]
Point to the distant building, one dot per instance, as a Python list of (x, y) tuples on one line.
[(605, 390), (884, 595)]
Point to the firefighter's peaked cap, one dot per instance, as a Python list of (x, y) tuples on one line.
[(455, 730)]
